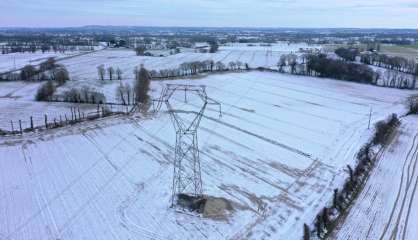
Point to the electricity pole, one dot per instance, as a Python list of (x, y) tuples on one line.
[(187, 177)]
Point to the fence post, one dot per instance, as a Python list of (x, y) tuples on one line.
[(79, 115), (31, 122), (20, 126), (60, 120), (66, 119), (46, 122)]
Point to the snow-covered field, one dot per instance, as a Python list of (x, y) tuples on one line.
[(277, 153), (387, 208), (19, 105), (85, 67), (17, 102), (12, 61)]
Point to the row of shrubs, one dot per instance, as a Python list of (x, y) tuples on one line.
[(328, 217), (47, 70)]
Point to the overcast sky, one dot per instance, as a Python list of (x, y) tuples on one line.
[(211, 13)]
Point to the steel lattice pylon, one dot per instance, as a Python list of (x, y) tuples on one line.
[(187, 178)]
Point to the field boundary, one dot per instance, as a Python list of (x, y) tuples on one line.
[(329, 218), (75, 116)]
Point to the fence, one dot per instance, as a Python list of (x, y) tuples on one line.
[(75, 115)]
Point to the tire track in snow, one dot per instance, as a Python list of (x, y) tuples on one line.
[(271, 141), (409, 209), (409, 178), (67, 188), (263, 102), (400, 188)]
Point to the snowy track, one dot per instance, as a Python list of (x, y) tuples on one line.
[(387, 209)]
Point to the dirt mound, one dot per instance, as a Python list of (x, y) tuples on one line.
[(209, 207), (217, 208)]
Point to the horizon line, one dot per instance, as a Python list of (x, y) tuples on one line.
[(212, 27)]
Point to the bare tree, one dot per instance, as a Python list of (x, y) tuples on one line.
[(85, 94), (101, 71), (231, 65), (282, 63), (239, 64), (110, 71), (120, 94), (124, 93), (28, 72), (129, 94), (45, 92), (49, 64), (142, 86), (61, 75), (119, 73), (220, 66), (140, 50), (292, 61)]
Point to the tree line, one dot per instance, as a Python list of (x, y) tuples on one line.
[(33, 48), (196, 67), (397, 63), (47, 70), (328, 217), (109, 73), (348, 54), (396, 67), (394, 63), (125, 93), (321, 65), (139, 93), (83, 95)]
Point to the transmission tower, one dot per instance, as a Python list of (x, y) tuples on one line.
[(187, 177)]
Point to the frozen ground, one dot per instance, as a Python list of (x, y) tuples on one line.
[(85, 67), (14, 61), (17, 101), (277, 153), (387, 208)]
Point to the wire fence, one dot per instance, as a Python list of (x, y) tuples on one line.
[(76, 114)]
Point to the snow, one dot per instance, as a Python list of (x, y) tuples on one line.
[(277, 153), (17, 101), (277, 47), (84, 68), (12, 61), (387, 206)]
